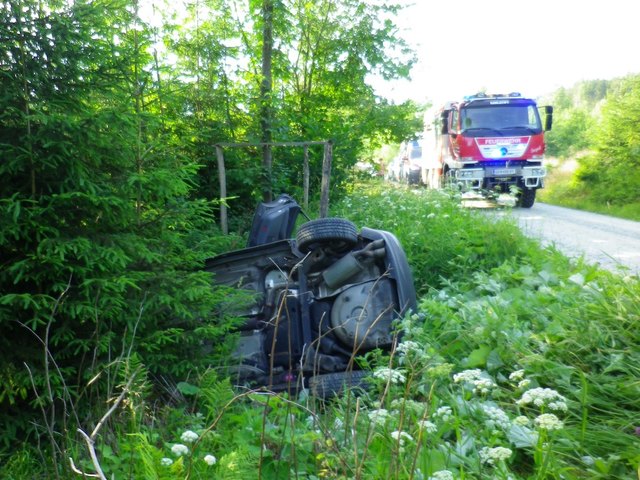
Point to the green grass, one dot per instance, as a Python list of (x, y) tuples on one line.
[(498, 317), (561, 189)]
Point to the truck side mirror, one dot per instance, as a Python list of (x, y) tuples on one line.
[(444, 117), (548, 117)]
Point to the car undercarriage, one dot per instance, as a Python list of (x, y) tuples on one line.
[(317, 300)]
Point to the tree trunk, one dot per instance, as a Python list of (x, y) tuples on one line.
[(265, 96)]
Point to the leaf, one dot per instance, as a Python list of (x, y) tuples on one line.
[(494, 360), (478, 357), (522, 437), (187, 388)]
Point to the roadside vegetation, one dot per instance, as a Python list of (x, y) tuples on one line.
[(594, 135), (519, 364)]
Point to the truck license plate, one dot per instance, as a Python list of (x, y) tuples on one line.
[(504, 171)]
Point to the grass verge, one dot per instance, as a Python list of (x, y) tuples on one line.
[(561, 189), (519, 364)]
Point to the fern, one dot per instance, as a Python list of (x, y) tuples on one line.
[(215, 394), (238, 465)]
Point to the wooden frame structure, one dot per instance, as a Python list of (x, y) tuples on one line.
[(324, 186)]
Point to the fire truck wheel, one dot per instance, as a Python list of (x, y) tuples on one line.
[(527, 198)]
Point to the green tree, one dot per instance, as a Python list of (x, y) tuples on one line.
[(612, 173), (329, 53), (575, 115), (322, 58), (100, 243)]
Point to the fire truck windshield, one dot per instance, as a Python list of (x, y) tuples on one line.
[(490, 120)]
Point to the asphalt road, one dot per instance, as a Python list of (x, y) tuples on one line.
[(610, 242)]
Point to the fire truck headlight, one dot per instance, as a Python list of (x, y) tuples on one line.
[(537, 172), (471, 173)]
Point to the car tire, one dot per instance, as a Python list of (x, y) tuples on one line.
[(340, 233), (332, 384)]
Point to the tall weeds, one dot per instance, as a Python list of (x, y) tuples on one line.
[(519, 364)]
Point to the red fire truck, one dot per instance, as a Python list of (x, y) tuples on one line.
[(491, 143)]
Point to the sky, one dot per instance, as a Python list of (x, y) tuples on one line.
[(532, 47)]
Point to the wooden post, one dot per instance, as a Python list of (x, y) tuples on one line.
[(326, 175), (222, 177), (326, 172), (305, 177)]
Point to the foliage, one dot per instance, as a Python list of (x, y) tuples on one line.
[(576, 111), (101, 245), (106, 134), (324, 53), (611, 172), (423, 217), (594, 126), (523, 368)]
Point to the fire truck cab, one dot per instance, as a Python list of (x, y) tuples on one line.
[(491, 143)]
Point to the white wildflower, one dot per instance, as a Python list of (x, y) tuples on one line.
[(441, 475), (431, 215), (516, 376), (210, 460), (408, 346), (428, 426), (468, 376), (189, 436), (445, 413), (178, 449), (561, 406), (548, 421), (521, 420), (492, 455), (401, 436), (541, 397), (483, 386), (524, 383), (166, 462), (338, 424), (496, 417), (378, 416), (389, 375)]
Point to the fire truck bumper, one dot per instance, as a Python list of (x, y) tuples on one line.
[(478, 178)]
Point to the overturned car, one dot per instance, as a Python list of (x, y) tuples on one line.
[(318, 300)]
